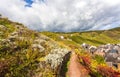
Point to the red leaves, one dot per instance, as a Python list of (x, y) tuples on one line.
[(108, 71), (86, 60), (102, 70)]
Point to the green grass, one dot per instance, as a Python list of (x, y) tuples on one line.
[(22, 60), (90, 37)]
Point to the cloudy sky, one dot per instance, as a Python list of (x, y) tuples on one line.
[(63, 15)]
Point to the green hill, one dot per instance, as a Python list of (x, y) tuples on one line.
[(90, 37)]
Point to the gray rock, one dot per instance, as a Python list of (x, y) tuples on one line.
[(56, 56), (12, 38), (38, 47), (2, 27)]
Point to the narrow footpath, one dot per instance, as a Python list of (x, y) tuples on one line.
[(75, 69)]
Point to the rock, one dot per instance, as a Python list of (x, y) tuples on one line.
[(5, 41), (15, 34), (39, 41), (56, 56), (2, 27), (44, 37), (12, 38), (38, 47)]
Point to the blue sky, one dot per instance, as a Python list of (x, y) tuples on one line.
[(29, 2), (63, 15)]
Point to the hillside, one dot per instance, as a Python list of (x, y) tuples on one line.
[(28, 53), (95, 64), (91, 37)]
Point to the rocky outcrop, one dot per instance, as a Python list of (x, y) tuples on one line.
[(56, 56)]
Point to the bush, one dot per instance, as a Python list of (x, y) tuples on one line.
[(99, 59), (108, 71)]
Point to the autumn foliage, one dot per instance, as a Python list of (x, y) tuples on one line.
[(108, 71), (86, 60)]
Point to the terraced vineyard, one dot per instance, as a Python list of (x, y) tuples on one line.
[(90, 37)]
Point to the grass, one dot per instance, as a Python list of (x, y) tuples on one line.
[(74, 40), (90, 37), (17, 58)]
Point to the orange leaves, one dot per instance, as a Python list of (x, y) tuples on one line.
[(86, 60), (108, 71), (96, 66)]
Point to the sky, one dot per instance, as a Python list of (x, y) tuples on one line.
[(63, 15)]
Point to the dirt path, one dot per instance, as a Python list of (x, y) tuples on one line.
[(75, 69)]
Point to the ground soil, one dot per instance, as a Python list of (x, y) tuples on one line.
[(75, 69)]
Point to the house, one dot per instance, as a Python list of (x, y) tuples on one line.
[(62, 37), (110, 52), (85, 46), (92, 49), (117, 48), (100, 53), (111, 58)]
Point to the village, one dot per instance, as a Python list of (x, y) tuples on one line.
[(110, 52)]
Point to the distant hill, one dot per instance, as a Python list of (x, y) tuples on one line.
[(118, 29), (91, 37)]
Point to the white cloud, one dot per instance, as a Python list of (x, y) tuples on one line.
[(63, 15)]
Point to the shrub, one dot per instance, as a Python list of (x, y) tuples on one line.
[(108, 71)]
